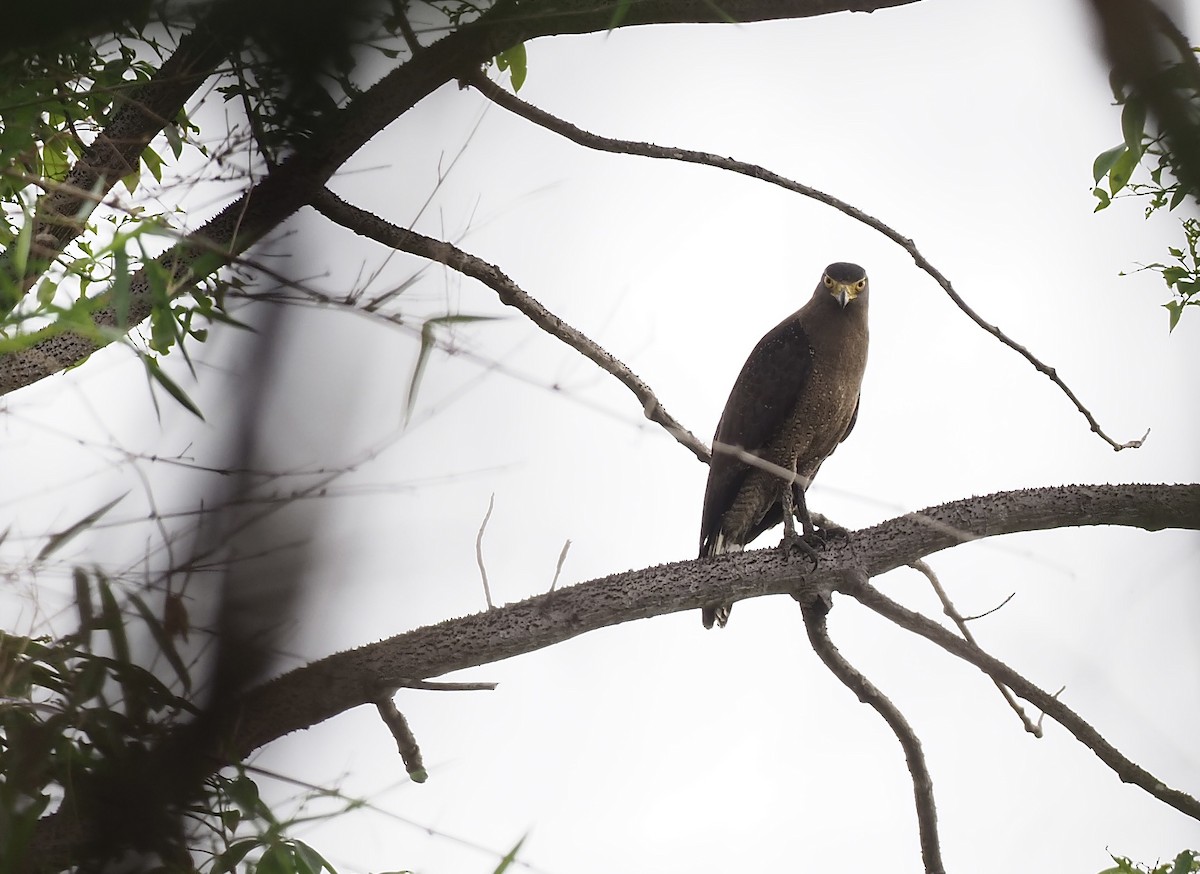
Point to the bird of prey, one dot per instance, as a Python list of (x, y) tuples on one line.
[(795, 400)]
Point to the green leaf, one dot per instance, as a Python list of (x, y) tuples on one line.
[(112, 621), (55, 165), (1175, 308), (243, 792), (1121, 171), (232, 857), (1104, 162), (154, 372), (83, 604), (277, 860), (1178, 196), (58, 540), (120, 286), (174, 140), (164, 641), (24, 239), (1185, 862), (619, 14), (153, 163), (514, 59), (1102, 197), (510, 857), (1133, 123), (310, 860), (46, 291), (428, 342)]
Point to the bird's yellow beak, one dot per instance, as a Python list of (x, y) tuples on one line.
[(844, 292)]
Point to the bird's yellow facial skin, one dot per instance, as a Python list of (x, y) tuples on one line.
[(844, 292)]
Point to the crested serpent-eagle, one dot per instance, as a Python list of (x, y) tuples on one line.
[(795, 400)]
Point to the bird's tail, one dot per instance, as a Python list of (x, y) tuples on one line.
[(718, 613)]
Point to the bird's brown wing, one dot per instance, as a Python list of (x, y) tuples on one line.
[(774, 514), (762, 398)]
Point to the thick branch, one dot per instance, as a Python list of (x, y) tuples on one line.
[(368, 225), (312, 694), (649, 150), (351, 678)]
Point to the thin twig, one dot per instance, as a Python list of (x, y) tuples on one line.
[(649, 150), (432, 686), (957, 618), (1126, 770), (562, 556), (487, 592), (368, 225), (406, 743), (815, 611), (985, 613)]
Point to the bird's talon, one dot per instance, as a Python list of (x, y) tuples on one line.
[(793, 543)]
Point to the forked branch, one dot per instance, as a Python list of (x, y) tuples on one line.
[(1127, 770)]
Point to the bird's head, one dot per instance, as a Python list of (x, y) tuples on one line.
[(844, 281)]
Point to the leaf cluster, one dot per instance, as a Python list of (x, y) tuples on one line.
[(1187, 862), (1113, 173), (80, 711)]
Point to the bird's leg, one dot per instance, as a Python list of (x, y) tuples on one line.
[(786, 496), (792, 540), (802, 512)]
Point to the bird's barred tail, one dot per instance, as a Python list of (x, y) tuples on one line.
[(718, 613)]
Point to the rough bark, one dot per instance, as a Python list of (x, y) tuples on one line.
[(310, 695)]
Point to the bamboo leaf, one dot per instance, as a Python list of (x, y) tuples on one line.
[(58, 540)]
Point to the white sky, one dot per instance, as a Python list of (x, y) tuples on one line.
[(656, 746)]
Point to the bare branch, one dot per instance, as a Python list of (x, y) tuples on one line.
[(406, 743), (562, 557), (649, 150), (351, 678), (369, 225), (950, 610), (487, 592), (430, 686), (1127, 770), (815, 611), (999, 606)]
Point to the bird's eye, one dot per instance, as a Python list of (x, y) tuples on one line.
[(861, 284), (828, 282)]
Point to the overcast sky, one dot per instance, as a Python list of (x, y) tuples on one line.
[(657, 746)]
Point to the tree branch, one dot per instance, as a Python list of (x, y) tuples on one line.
[(922, 567), (312, 694), (351, 678), (368, 225), (649, 150), (301, 177), (815, 612), (1127, 770)]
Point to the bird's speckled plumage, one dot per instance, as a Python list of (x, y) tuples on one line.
[(795, 400)]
